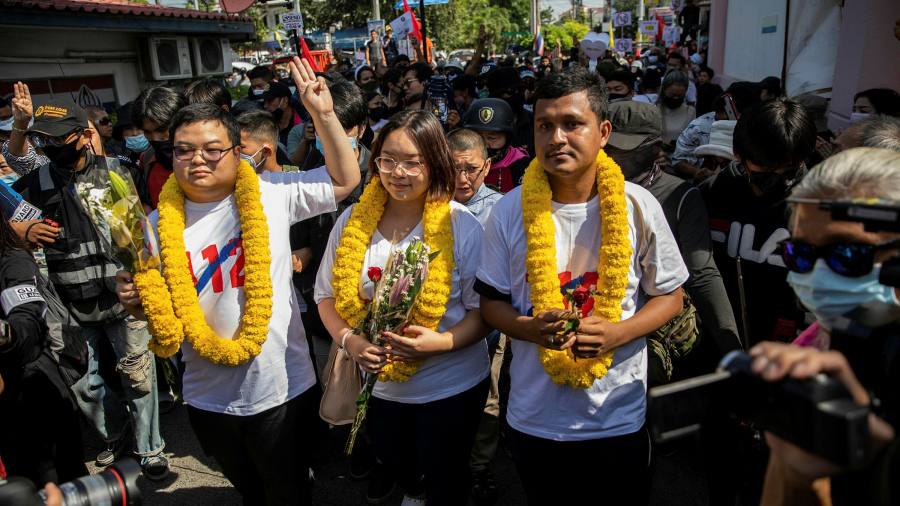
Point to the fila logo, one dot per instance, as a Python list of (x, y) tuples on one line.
[(739, 239)]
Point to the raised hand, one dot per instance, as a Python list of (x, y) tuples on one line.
[(313, 90), (22, 107)]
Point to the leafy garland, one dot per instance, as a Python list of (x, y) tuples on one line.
[(350, 257), (169, 322), (540, 262)]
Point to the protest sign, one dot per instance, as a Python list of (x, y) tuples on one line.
[(648, 28), (621, 19), (377, 25), (624, 45), (292, 21), (402, 26)]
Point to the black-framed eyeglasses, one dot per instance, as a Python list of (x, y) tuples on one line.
[(407, 82), (849, 259), (186, 153), (387, 165)]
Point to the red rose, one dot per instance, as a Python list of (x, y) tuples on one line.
[(374, 274), (581, 295)]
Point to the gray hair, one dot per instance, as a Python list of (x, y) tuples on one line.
[(854, 173), (880, 131), (672, 78)]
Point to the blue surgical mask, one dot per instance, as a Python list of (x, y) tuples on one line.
[(830, 296), (10, 178), (321, 147), (856, 117), (137, 143), (250, 159), (652, 58)]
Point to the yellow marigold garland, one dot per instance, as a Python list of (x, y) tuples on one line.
[(540, 262), (170, 323), (350, 257)]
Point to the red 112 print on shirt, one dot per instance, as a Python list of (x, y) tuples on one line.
[(235, 268)]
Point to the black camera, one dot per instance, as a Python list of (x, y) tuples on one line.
[(818, 414), (117, 484)]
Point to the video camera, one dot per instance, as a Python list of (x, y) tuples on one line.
[(117, 484), (818, 414)]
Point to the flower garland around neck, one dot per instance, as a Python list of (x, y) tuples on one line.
[(350, 257), (540, 262), (171, 322)]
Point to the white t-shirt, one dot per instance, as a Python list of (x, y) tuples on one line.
[(443, 375), (283, 369), (615, 404)]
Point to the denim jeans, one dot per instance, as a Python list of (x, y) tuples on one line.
[(102, 406)]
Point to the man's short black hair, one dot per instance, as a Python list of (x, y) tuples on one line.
[(884, 100), (622, 76), (196, 113), (775, 134), (651, 81), (208, 91), (349, 106), (401, 59), (677, 56), (158, 104), (260, 125), (423, 72), (466, 83), (710, 72), (261, 72), (575, 80)]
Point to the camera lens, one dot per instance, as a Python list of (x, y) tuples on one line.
[(115, 486)]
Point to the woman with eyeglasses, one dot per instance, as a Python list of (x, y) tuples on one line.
[(422, 428), (837, 270), (415, 85)]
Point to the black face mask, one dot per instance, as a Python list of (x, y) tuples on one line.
[(162, 150), (616, 96), (636, 162), (277, 114), (65, 156), (496, 154), (672, 103), (771, 184), (378, 113)]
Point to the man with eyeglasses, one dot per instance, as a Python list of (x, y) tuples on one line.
[(83, 275), (472, 165), (254, 418)]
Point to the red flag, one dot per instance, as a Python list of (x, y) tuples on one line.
[(660, 24), (417, 32), (304, 51)]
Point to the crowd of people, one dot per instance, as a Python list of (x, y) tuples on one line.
[(686, 216)]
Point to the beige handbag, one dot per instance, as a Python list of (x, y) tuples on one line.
[(343, 382)]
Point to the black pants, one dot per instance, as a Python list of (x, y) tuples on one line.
[(613, 470), (266, 455), (431, 440), (40, 434)]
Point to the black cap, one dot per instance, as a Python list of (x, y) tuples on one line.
[(503, 78), (276, 90), (633, 123), (490, 115), (58, 117)]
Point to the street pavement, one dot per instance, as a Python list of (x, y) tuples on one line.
[(196, 480)]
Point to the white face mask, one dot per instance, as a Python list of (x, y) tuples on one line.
[(251, 159), (856, 117)]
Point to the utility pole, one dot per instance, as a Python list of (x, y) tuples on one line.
[(376, 9)]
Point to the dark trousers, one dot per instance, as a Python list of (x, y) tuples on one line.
[(433, 440), (40, 434), (613, 470), (266, 455)]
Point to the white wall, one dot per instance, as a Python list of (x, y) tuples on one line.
[(27, 43), (750, 54)]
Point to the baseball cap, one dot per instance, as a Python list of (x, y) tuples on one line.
[(633, 123), (276, 90), (527, 73), (58, 117)]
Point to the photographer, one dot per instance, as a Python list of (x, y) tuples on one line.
[(40, 438), (835, 267)]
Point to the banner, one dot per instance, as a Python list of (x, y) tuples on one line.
[(402, 26), (624, 45), (648, 28), (377, 25), (622, 19)]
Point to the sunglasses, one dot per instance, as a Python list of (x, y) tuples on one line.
[(852, 260), (104, 121)]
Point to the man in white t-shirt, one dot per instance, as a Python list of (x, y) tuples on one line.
[(253, 418), (571, 444)]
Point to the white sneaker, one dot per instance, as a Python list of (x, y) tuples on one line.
[(412, 501)]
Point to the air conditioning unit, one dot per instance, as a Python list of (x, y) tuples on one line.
[(211, 55), (170, 58)]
